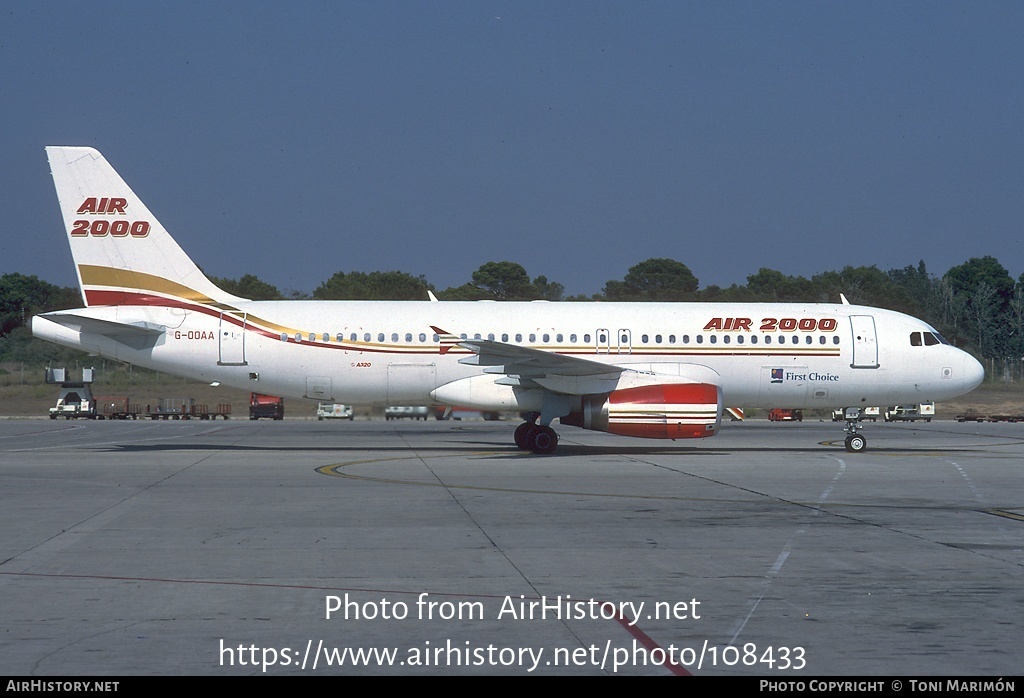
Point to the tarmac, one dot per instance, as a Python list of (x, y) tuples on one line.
[(437, 548)]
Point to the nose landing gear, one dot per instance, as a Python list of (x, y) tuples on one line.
[(855, 442)]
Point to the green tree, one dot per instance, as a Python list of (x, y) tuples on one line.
[(656, 279), (860, 285), (23, 296), (504, 281), (774, 286), (377, 285), (547, 290), (966, 277), (249, 286)]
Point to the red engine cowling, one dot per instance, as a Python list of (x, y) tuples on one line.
[(667, 411)]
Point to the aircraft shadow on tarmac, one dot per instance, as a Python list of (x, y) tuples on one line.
[(565, 450)]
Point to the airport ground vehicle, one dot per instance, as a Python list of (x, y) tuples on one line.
[(910, 413), (406, 412), (650, 370), (174, 408), (74, 401), (781, 414), (270, 406), (116, 407), (871, 413), (331, 410)]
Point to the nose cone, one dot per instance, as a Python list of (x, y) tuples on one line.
[(973, 373)]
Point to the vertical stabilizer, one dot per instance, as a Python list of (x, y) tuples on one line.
[(122, 254)]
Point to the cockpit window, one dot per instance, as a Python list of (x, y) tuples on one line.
[(927, 339)]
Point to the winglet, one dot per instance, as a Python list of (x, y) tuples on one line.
[(842, 297), (447, 339)]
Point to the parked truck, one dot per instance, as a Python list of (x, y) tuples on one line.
[(266, 406), (781, 414), (331, 410), (910, 413)]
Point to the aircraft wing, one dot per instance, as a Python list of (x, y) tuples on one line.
[(528, 367)]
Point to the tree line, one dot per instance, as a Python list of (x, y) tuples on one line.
[(976, 305)]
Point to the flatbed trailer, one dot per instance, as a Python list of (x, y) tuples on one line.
[(116, 407)]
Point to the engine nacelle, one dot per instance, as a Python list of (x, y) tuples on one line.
[(665, 411)]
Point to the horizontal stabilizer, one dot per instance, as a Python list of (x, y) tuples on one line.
[(106, 328)]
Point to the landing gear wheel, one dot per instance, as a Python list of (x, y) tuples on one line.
[(855, 443), (542, 439), (522, 435)]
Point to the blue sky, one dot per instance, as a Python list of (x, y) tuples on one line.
[(294, 140)]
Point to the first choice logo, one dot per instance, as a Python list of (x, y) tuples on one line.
[(99, 227)]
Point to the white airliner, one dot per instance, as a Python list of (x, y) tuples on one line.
[(654, 370)]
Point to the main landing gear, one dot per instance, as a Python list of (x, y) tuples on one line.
[(855, 443), (534, 437)]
